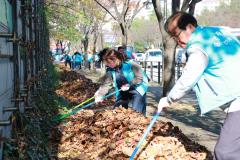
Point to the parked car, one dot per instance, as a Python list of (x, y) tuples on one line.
[(139, 56), (154, 55)]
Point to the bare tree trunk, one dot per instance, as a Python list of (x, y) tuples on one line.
[(175, 5), (102, 45), (95, 37), (124, 34), (85, 44), (124, 40), (169, 66), (168, 43), (86, 38), (169, 50), (188, 4)]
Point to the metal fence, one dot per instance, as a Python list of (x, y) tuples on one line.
[(23, 57), (154, 70)]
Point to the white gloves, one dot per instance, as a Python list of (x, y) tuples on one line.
[(163, 103), (98, 99), (125, 87)]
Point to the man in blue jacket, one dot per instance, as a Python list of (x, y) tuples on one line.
[(68, 60), (77, 60), (211, 70)]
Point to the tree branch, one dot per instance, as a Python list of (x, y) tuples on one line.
[(125, 9), (185, 5), (136, 11), (106, 9)]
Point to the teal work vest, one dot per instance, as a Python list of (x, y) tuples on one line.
[(126, 70), (78, 58), (219, 83)]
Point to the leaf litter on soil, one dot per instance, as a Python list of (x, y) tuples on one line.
[(113, 134)]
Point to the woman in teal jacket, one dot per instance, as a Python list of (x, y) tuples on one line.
[(125, 75)]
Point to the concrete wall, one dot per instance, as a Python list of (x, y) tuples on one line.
[(6, 71), (21, 27)]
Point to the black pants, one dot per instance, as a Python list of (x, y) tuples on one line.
[(77, 65), (138, 101), (68, 62)]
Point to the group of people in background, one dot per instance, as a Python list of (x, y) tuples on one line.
[(76, 60)]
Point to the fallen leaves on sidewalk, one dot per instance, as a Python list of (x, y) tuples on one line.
[(113, 134), (76, 88)]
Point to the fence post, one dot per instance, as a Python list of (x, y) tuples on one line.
[(159, 67), (151, 71), (178, 70), (145, 66)]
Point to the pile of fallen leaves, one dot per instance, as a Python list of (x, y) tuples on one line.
[(113, 134), (76, 88)]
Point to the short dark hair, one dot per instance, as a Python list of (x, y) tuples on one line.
[(102, 53), (109, 51), (120, 47), (183, 20)]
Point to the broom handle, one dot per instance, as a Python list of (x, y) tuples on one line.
[(154, 119), (89, 99), (89, 104)]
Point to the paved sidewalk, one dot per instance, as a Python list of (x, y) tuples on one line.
[(184, 114)]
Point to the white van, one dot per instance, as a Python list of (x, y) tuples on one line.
[(154, 55)]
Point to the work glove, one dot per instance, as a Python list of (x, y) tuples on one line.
[(98, 99), (163, 103), (125, 87)]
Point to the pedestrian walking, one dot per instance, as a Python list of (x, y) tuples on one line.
[(90, 60), (77, 60), (68, 60)]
